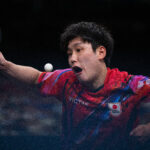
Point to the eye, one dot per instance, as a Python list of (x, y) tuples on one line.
[(78, 50)]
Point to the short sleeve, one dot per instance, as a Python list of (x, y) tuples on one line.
[(52, 83)]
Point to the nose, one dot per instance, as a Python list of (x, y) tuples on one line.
[(73, 58)]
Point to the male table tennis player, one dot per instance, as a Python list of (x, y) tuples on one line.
[(100, 104)]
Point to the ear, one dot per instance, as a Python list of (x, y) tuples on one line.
[(101, 52)]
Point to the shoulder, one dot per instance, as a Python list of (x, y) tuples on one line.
[(122, 79), (116, 79), (140, 83), (55, 75), (116, 75)]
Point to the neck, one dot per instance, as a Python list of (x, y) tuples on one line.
[(99, 81)]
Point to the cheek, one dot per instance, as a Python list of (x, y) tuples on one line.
[(87, 59)]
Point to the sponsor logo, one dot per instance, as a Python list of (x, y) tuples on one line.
[(78, 101), (115, 109)]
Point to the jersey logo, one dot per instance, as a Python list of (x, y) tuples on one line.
[(115, 109), (78, 101)]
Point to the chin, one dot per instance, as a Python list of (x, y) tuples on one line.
[(84, 81)]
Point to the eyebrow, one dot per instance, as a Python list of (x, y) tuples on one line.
[(75, 45)]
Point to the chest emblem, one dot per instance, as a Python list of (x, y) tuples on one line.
[(115, 109)]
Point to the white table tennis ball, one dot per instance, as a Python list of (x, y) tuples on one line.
[(48, 67)]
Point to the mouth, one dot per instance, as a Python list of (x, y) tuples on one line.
[(77, 70)]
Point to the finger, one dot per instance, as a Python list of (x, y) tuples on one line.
[(133, 132), (137, 131)]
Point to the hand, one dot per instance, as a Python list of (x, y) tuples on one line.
[(3, 61), (141, 132)]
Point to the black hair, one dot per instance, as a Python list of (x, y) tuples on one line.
[(89, 32)]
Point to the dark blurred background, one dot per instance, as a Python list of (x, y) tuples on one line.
[(30, 30), (29, 35)]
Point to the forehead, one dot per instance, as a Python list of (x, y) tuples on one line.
[(75, 42)]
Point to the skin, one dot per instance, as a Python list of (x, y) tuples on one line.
[(21, 73), (94, 70), (141, 132)]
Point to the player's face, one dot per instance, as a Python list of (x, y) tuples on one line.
[(84, 61)]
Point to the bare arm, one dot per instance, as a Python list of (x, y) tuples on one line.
[(22, 73)]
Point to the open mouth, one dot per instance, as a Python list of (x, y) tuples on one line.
[(76, 69)]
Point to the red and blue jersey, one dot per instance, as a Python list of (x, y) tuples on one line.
[(102, 118)]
